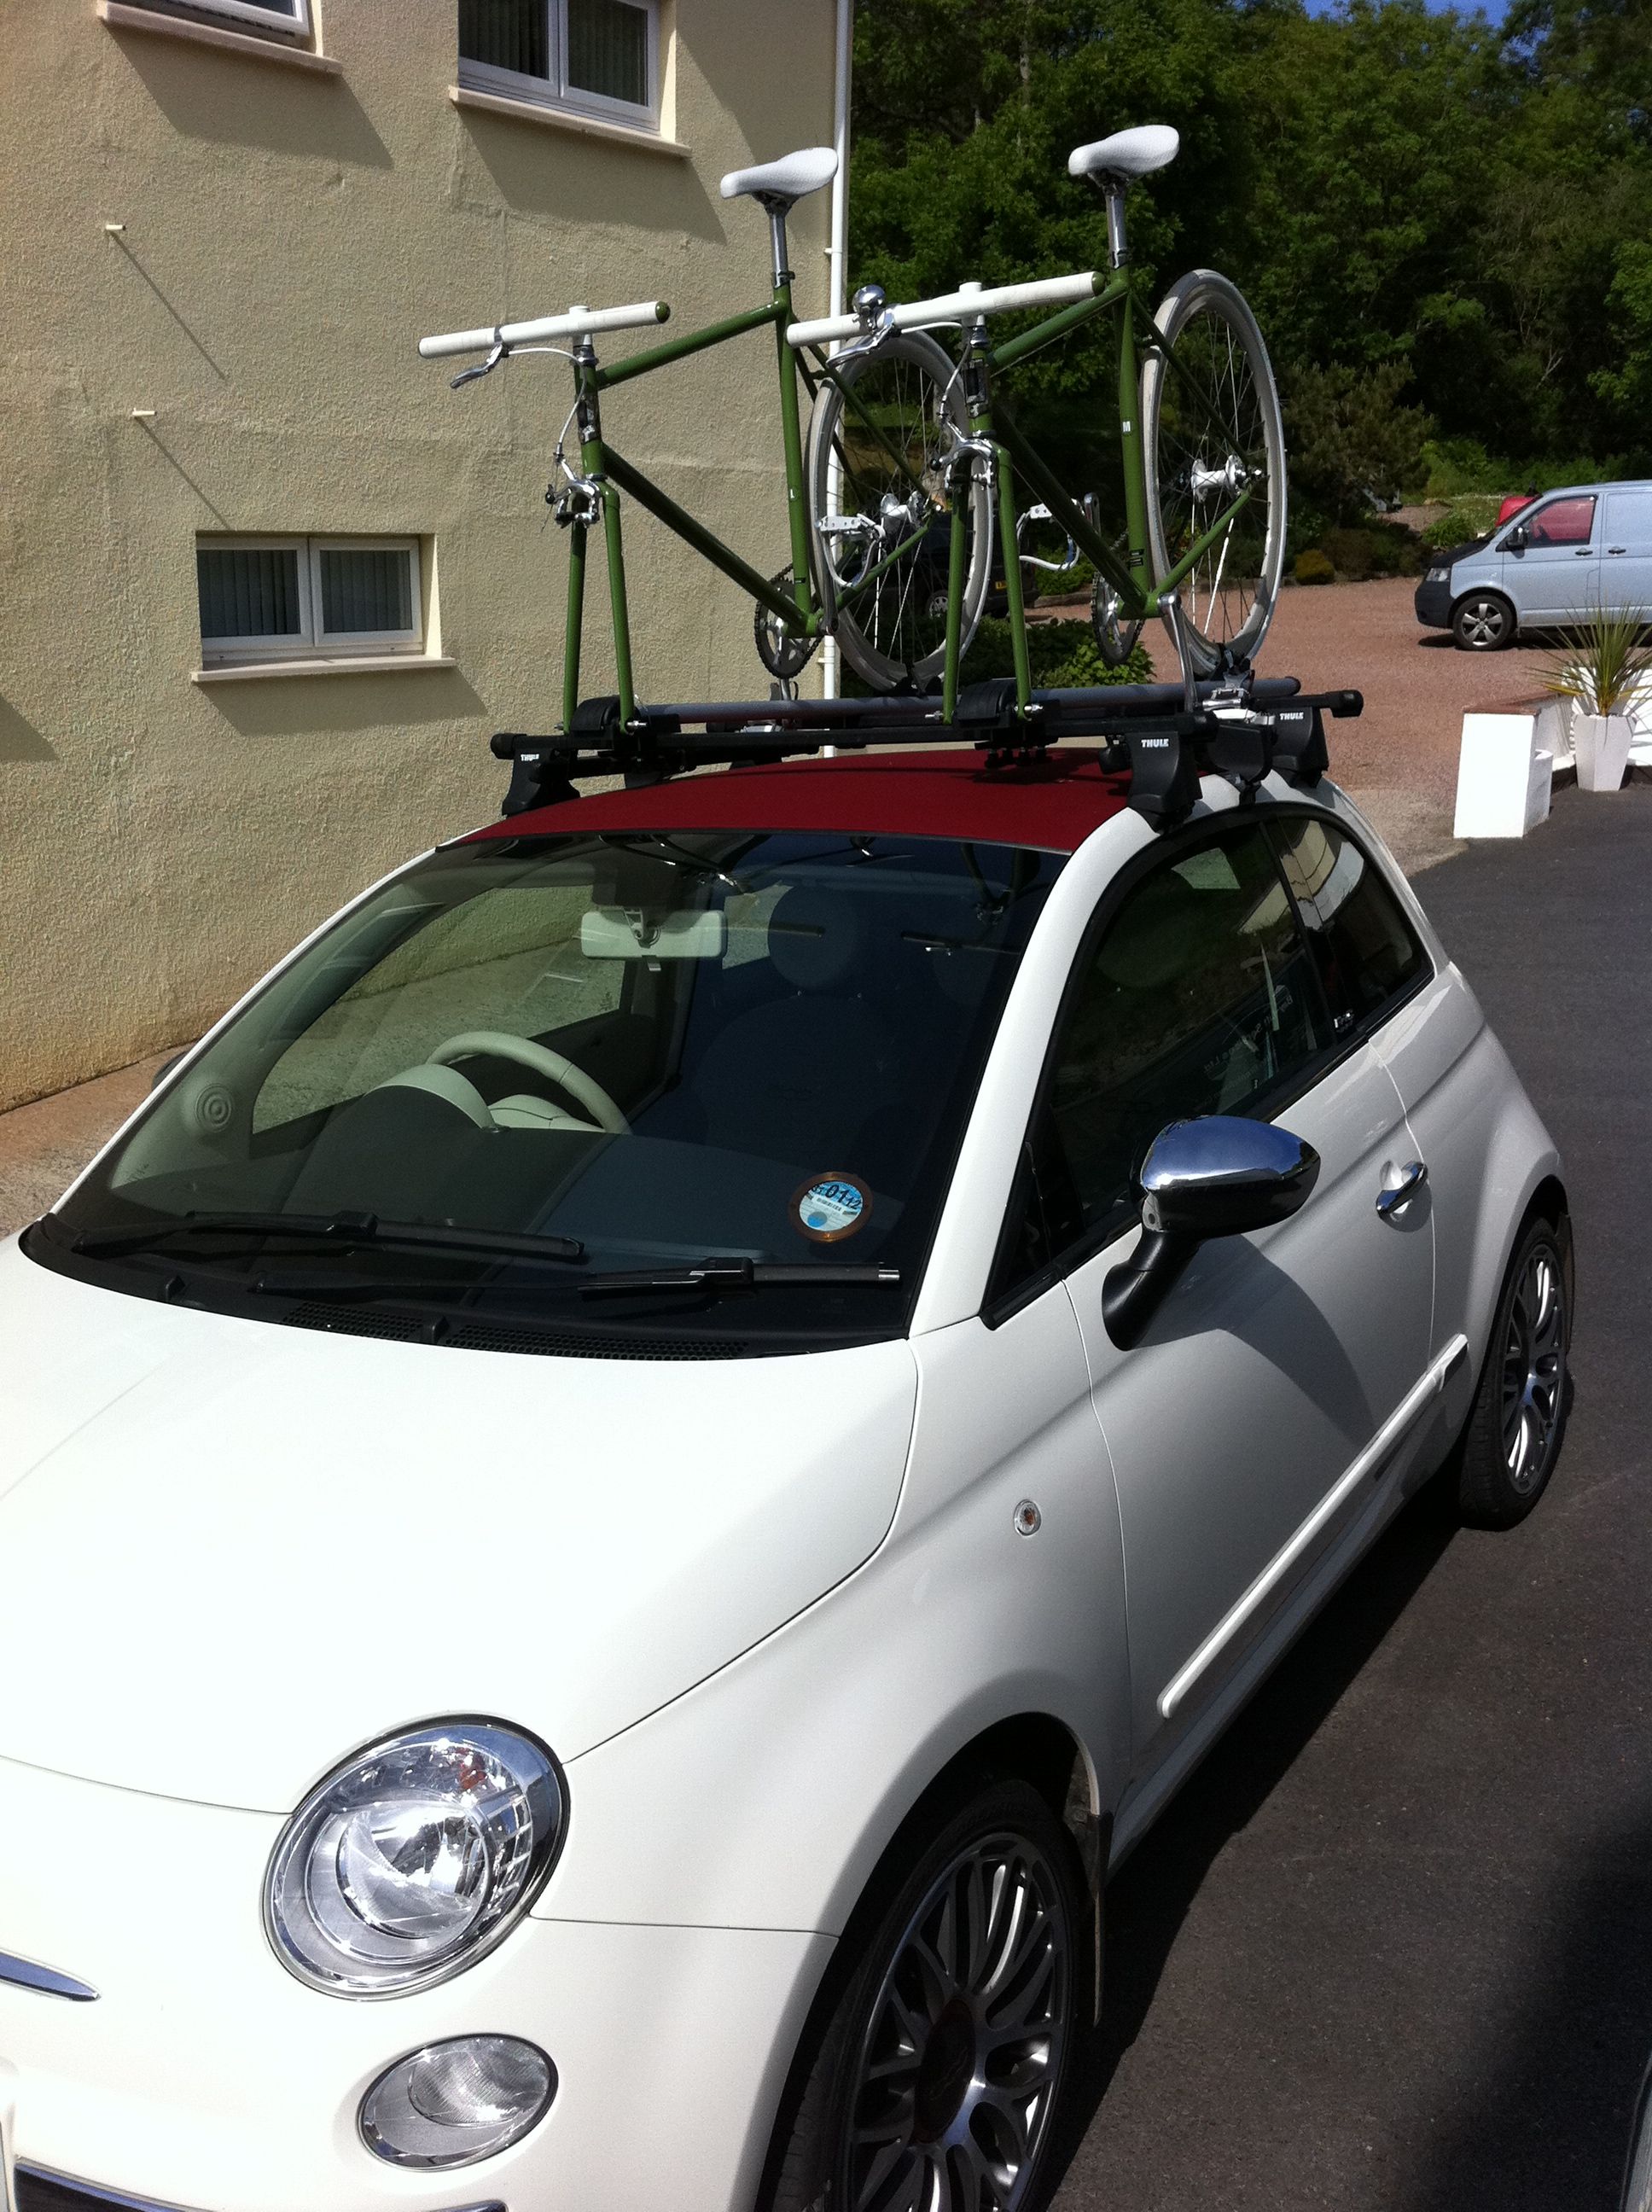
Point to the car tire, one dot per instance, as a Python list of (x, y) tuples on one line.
[(1517, 1422), (938, 2044), (1483, 622)]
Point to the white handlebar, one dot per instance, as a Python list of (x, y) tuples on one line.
[(576, 322), (960, 307)]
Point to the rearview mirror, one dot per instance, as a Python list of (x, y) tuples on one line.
[(1220, 1176), (1518, 538), (684, 934)]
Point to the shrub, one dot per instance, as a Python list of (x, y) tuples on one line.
[(1463, 520), (1379, 548), (1064, 656), (1314, 568)]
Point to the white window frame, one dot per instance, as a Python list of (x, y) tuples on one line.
[(312, 641), (553, 91), (296, 24), (367, 640)]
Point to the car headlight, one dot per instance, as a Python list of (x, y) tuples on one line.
[(413, 1858), (1439, 576)]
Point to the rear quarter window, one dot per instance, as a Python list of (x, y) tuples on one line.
[(1367, 952)]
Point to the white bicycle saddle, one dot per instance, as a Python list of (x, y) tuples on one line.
[(790, 179), (1135, 153)]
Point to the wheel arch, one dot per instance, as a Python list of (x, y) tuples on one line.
[(1542, 1191), (1033, 1746)]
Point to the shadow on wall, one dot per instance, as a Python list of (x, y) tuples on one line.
[(206, 93), (302, 706), (538, 170), (783, 96), (187, 328), (19, 738), (168, 454)]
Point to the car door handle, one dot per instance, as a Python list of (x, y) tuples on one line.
[(1617, 549), (1411, 1179), (1583, 552)]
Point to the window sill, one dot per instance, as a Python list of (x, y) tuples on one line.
[(119, 15), (563, 118), (376, 664)]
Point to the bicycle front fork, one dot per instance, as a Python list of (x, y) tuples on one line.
[(994, 459)]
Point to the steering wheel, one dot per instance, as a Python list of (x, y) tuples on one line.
[(555, 1065)]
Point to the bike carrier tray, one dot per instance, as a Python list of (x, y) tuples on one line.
[(1166, 736)]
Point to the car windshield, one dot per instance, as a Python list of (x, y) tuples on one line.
[(697, 1081)]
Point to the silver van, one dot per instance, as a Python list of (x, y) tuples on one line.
[(1587, 546)]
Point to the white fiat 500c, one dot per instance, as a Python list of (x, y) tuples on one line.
[(568, 1485)]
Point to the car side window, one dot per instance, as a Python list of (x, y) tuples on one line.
[(1199, 997), (1366, 951), (1562, 522)]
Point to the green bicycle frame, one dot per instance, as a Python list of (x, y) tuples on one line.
[(1132, 578), (607, 473)]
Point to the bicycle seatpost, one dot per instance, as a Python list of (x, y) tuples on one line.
[(777, 209), (1118, 245)]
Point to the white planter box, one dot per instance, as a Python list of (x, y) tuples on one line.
[(1504, 773), (1602, 744)]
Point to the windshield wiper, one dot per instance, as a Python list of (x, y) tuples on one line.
[(740, 1276), (719, 1276), (344, 1229)]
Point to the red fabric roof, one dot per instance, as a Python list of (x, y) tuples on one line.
[(945, 792)]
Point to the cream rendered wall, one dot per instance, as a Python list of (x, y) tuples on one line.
[(289, 236)]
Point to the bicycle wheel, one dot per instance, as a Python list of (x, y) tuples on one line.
[(886, 421), (1210, 429)]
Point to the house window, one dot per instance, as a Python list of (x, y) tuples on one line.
[(287, 17), (280, 599), (599, 57)]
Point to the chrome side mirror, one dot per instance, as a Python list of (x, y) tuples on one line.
[(1221, 1176)]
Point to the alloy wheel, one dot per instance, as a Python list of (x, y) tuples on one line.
[(1534, 1369), (1483, 623), (958, 2070)]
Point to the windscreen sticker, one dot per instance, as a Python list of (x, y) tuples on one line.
[(831, 1205)]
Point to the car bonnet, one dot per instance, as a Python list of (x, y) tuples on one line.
[(235, 1552)]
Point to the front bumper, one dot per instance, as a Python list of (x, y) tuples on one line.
[(1433, 604), (205, 2076)]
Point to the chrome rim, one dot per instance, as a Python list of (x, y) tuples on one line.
[(959, 2066), (1211, 435), (1482, 622), (1534, 1369)]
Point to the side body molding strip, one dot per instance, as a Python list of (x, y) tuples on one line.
[(1415, 1402)]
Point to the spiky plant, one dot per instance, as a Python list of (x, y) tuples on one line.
[(1605, 663)]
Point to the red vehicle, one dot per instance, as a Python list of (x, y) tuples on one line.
[(1513, 502)]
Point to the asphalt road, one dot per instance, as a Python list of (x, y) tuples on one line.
[(1392, 1946)]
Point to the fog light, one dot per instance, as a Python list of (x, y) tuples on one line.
[(455, 2102)]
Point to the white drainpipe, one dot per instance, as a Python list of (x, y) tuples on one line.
[(837, 254)]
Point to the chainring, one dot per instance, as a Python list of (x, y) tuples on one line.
[(782, 652)]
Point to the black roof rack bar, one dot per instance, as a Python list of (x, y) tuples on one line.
[(1241, 728)]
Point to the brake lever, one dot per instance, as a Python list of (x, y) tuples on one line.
[(482, 368)]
